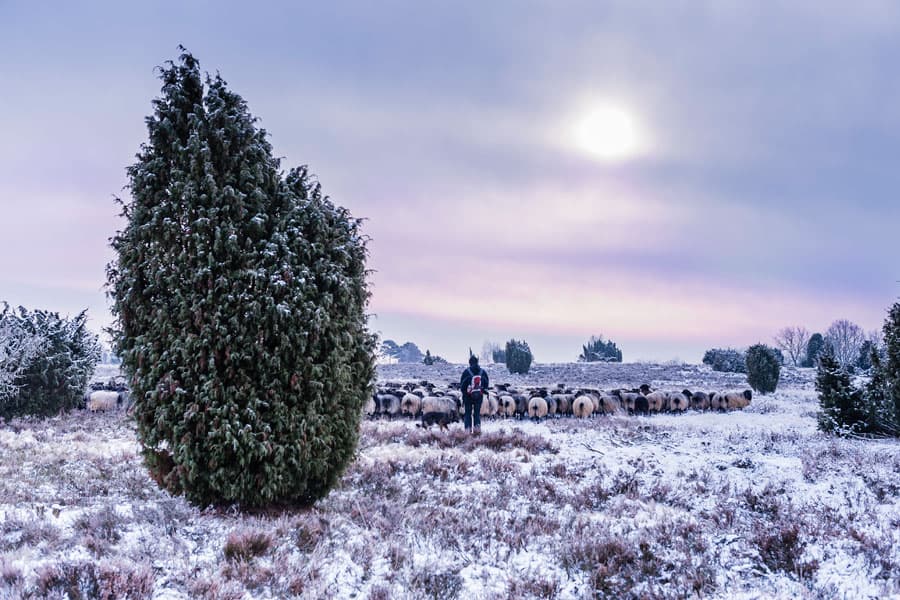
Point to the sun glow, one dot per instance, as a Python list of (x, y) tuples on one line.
[(609, 133)]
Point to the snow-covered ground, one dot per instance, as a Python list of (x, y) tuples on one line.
[(751, 504)]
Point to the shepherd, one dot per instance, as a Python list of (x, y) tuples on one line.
[(474, 385)]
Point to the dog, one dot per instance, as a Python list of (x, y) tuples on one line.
[(441, 419)]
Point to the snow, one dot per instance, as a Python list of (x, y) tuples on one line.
[(669, 502)]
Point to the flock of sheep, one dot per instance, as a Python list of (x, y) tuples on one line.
[(415, 399)]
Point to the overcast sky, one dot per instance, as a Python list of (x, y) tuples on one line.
[(746, 180)]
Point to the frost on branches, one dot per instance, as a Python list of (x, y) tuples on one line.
[(45, 361)]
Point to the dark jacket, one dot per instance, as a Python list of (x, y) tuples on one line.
[(466, 379)]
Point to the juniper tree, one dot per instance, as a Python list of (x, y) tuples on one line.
[(839, 400), (518, 356), (813, 348), (763, 368), (239, 294), (891, 370)]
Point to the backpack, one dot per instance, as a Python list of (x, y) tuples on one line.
[(474, 390)]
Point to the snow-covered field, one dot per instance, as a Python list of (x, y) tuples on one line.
[(752, 504)]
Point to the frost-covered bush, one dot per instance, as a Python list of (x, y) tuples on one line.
[(240, 294), (598, 350), (518, 356), (45, 361), (763, 368), (727, 360)]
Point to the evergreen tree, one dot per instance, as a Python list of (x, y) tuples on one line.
[(891, 372), (763, 368), (879, 410), (240, 296), (813, 348), (864, 361), (518, 356), (428, 360), (840, 402)]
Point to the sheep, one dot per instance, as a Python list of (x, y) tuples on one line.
[(521, 405), (410, 405), (388, 405), (699, 400), (103, 400), (507, 406), (718, 402), (582, 407), (552, 405), (537, 408), (738, 400), (610, 404), (564, 403), (678, 401), (490, 405), (439, 404), (656, 401)]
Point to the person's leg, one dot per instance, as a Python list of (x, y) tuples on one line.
[(477, 415), (467, 416)]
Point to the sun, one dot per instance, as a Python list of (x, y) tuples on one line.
[(609, 133)]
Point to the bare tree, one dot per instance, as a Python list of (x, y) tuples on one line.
[(792, 342), (846, 338)]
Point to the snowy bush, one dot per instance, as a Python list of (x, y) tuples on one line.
[(240, 297), (45, 361), (763, 368), (727, 360), (599, 350)]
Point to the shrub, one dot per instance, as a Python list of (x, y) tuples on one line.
[(246, 544), (813, 348), (727, 360), (518, 356), (239, 294), (763, 368), (598, 350), (45, 361), (840, 402)]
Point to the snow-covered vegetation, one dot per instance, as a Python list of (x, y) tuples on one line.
[(748, 504)]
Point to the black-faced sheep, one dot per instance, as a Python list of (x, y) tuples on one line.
[(677, 401), (388, 405), (699, 401), (410, 405), (738, 400)]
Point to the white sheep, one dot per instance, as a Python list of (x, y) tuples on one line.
[(103, 400)]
